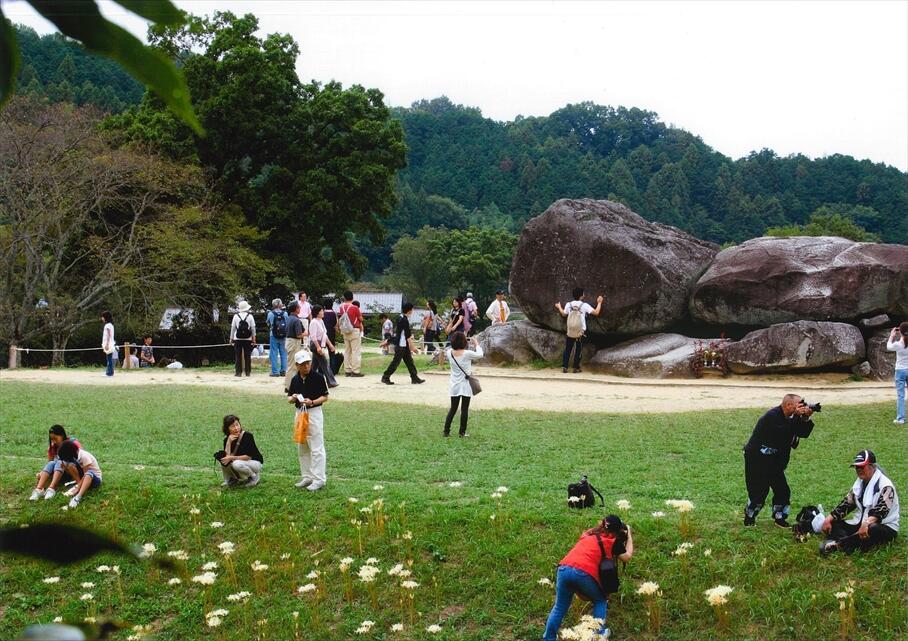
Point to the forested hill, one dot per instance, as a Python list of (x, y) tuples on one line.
[(510, 171), (62, 71)]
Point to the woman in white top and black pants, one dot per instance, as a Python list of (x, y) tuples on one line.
[(108, 342), (898, 343), (242, 338), (461, 361)]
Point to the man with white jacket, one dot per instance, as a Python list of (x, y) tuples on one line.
[(875, 506)]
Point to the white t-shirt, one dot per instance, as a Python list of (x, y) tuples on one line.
[(901, 353), (88, 462), (108, 347), (387, 327), (459, 385), (494, 312), (585, 308)]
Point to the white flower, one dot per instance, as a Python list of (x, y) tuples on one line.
[(497, 495), (502, 489), (841, 596), (87, 585), (179, 555), (345, 563), (65, 508), (406, 536), (574, 499), (544, 581), (309, 587), (682, 505), (366, 510), (214, 622), (682, 549), (216, 524), (353, 499), (396, 569), (491, 517), (404, 574), (648, 588), (364, 627), (257, 566), (285, 556), (409, 585), (138, 468), (52, 579), (718, 595), (58, 620), (239, 596), (623, 504), (102, 568), (174, 581), (211, 565), (397, 627), (87, 597), (90, 620), (296, 615), (707, 552), (312, 575), (115, 569), (378, 488), (658, 515), (367, 573), (195, 511), (220, 612), (372, 561), (227, 548), (206, 578), (148, 549), (455, 484), (433, 629)]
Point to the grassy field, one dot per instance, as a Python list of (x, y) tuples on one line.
[(478, 576)]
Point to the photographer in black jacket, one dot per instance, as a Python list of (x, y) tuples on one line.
[(766, 456)]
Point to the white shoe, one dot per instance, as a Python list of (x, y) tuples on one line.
[(36, 494), (72, 491), (49, 493), (306, 482), (74, 502), (314, 487), (899, 421)]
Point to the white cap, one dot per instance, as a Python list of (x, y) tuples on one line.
[(303, 356)]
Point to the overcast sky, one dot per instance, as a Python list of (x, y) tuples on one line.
[(811, 77)]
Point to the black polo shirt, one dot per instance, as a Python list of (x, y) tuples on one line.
[(311, 387)]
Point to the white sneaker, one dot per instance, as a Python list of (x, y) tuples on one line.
[(899, 421), (36, 494), (314, 487), (74, 502), (49, 493), (306, 482), (72, 491)]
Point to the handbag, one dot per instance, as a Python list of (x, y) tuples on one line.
[(301, 427), (475, 387), (580, 495), (608, 571)]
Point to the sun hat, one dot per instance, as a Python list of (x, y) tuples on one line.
[(243, 306), (863, 457), (303, 356)]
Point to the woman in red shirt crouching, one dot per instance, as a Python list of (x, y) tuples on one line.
[(578, 572)]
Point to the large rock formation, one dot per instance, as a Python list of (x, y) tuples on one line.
[(653, 356), (775, 280), (644, 270), (789, 347), (882, 361), (521, 342)]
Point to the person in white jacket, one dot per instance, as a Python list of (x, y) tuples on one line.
[(461, 361), (874, 507), (898, 343), (498, 311)]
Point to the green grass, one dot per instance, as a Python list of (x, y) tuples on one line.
[(486, 572)]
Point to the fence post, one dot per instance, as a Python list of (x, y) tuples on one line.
[(13, 362), (127, 362)]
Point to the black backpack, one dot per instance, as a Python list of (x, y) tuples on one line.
[(608, 571), (584, 492), (243, 330), (279, 325)]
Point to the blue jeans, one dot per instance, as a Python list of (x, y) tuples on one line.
[(110, 364), (571, 581), (901, 381), (277, 352)]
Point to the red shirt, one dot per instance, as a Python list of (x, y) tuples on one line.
[(353, 313), (585, 555)]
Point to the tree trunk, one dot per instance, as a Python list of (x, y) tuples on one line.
[(15, 360), (60, 342)]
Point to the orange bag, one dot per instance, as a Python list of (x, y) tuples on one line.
[(301, 427)]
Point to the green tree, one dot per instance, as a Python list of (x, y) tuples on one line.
[(622, 187), (826, 224), (478, 259)]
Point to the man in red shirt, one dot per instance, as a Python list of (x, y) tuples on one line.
[(350, 323)]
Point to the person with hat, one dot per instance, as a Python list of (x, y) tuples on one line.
[(498, 311), (277, 334), (242, 337), (308, 392), (875, 506), (766, 456), (578, 571)]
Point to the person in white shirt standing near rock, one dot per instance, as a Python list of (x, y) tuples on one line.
[(898, 343), (576, 312), (498, 311)]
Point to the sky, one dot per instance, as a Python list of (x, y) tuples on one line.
[(812, 77)]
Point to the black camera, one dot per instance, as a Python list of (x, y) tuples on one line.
[(816, 407)]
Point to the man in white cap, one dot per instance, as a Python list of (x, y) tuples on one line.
[(242, 337), (308, 392), (875, 505)]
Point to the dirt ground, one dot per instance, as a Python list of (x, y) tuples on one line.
[(506, 388)]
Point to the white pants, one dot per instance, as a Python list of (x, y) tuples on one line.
[(240, 470), (312, 454)]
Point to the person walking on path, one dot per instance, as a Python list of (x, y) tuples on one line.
[(241, 462), (404, 348), (277, 331), (308, 392), (898, 343), (242, 337), (350, 321), (461, 361), (576, 312), (320, 345), (387, 333), (431, 327), (498, 311), (296, 335), (108, 341), (305, 310)]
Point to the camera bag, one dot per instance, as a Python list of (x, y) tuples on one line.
[(608, 570), (583, 490)]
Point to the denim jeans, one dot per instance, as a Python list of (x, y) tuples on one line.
[(571, 581), (110, 369), (901, 381), (277, 352)]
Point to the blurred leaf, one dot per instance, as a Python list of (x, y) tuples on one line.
[(162, 12), (9, 59), (81, 19), (62, 544)]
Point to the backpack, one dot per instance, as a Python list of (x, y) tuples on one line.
[(279, 325), (346, 326), (608, 569), (584, 492), (575, 321), (243, 331)]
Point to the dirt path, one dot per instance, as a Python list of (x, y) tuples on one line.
[(545, 390)]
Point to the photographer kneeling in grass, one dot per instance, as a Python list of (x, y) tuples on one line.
[(578, 571), (241, 462)]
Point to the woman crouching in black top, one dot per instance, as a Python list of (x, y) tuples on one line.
[(241, 462)]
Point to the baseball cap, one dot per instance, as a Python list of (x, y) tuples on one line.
[(863, 457), (302, 356), (500, 291)]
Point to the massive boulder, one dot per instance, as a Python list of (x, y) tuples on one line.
[(775, 280), (653, 356), (803, 345), (882, 361), (644, 270), (521, 342)]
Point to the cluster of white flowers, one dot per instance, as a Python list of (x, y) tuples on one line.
[(409, 585), (215, 617), (239, 596), (372, 561), (353, 500), (367, 573), (544, 581), (258, 566), (658, 515), (213, 622), (501, 488), (87, 597), (682, 505), (345, 563), (206, 578), (174, 581), (309, 587), (313, 575), (455, 484), (397, 569), (195, 511), (648, 588), (407, 536), (574, 499), (364, 627), (718, 595), (397, 627), (102, 568), (708, 552), (285, 556), (179, 555), (586, 630), (217, 524), (148, 549), (433, 629), (378, 488), (623, 504), (138, 468), (87, 585), (366, 510), (211, 565), (227, 548), (497, 495), (682, 549), (52, 579)]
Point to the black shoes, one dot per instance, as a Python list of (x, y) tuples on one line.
[(750, 520), (782, 523), (828, 546), (355, 375), (577, 370), (417, 381), (387, 381)]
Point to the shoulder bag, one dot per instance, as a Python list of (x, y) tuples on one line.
[(475, 387)]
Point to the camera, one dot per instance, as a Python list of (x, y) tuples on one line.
[(816, 407)]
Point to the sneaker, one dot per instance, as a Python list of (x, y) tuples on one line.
[(275, 375), (71, 491), (306, 482), (464, 435), (36, 494), (828, 546), (418, 381), (781, 522), (899, 421), (605, 634), (564, 370), (314, 487), (577, 370), (333, 385), (74, 502), (283, 373), (387, 381), (252, 481), (750, 520), (49, 493), (356, 375)]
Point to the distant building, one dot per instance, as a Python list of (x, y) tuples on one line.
[(377, 302)]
